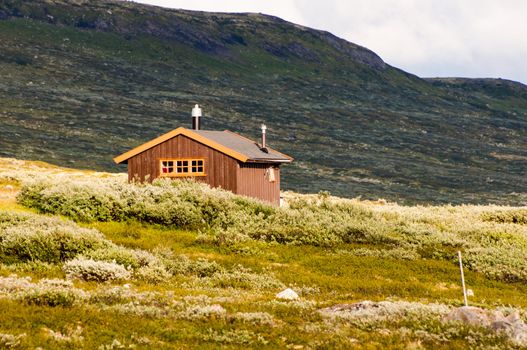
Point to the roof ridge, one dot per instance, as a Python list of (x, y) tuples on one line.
[(185, 132), (226, 148)]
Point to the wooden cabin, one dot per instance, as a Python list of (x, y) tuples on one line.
[(220, 158)]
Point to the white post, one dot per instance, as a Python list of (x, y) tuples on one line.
[(462, 278)]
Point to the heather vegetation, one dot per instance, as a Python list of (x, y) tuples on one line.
[(178, 263), (493, 239)]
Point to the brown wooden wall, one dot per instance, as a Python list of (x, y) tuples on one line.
[(253, 182), (220, 169)]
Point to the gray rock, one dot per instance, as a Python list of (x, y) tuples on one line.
[(500, 325), (363, 305), (471, 315), (512, 325), (518, 333), (287, 294)]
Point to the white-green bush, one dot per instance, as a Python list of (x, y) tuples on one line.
[(244, 278), (183, 265), (92, 270), (30, 237), (11, 341), (255, 318), (154, 273), (235, 336), (47, 292), (368, 312), (133, 258), (30, 242), (198, 312), (397, 253), (178, 203), (494, 239)]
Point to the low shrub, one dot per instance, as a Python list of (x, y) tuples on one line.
[(395, 253), (71, 334), (243, 278), (29, 237), (320, 220), (92, 270), (71, 199), (11, 341), (123, 256), (199, 312), (47, 292), (507, 216), (178, 203), (183, 265), (367, 312), (112, 295), (36, 243), (255, 318), (36, 267), (154, 273), (51, 297), (235, 336)]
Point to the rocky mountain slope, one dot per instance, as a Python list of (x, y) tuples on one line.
[(83, 81)]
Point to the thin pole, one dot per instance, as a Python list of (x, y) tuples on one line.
[(462, 278)]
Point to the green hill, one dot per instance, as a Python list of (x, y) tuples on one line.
[(83, 81)]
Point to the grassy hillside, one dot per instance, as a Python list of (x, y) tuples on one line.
[(113, 257), (83, 81)]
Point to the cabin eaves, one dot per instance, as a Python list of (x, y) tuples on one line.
[(229, 143)]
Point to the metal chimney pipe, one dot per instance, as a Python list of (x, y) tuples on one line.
[(196, 115), (264, 128)]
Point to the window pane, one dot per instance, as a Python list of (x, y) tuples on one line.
[(190, 166), (167, 166)]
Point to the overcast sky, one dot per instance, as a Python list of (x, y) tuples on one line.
[(464, 38)]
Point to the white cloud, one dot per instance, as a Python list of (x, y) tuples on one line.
[(473, 38)]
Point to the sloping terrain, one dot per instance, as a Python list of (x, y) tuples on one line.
[(83, 81)]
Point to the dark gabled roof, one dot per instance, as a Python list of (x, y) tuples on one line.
[(245, 146), (227, 142)]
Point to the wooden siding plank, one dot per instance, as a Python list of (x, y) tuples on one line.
[(252, 182), (221, 170)]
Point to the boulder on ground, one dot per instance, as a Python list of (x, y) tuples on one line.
[(471, 315), (512, 324), (287, 294), (362, 305)]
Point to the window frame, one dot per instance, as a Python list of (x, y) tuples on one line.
[(175, 166)]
